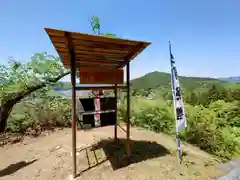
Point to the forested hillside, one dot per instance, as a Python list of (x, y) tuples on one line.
[(212, 109), (157, 79), (162, 79)]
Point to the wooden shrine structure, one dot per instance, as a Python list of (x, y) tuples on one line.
[(96, 60)]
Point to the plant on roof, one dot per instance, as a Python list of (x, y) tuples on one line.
[(95, 24)]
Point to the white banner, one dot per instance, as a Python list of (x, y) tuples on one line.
[(181, 122)]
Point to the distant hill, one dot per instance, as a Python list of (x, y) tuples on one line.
[(157, 79), (68, 93), (161, 79), (235, 79), (67, 85), (63, 86)]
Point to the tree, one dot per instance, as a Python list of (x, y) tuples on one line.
[(21, 79)]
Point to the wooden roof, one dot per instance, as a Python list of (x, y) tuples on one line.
[(93, 51)]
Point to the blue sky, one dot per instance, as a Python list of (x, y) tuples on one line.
[(205, 34)]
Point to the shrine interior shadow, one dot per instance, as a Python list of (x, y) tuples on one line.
[(141, 151)]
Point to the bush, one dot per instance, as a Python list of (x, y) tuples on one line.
[(39, 114)]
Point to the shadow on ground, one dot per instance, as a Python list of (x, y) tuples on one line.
[(14, 167), (141, 151)]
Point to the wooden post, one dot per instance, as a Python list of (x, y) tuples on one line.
[(115, 126), (73, 79), (128, 110)]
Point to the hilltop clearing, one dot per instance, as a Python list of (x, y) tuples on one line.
[(49, 157)]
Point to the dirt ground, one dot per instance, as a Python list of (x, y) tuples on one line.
[(100, 158)]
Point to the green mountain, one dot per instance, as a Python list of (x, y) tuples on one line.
[(160, 79)]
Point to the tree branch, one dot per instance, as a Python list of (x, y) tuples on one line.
[(29, 90), (13, 98)]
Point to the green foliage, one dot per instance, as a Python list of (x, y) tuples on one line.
[(148, 116), (36, 108), (28, 116), (110, 35), (96, 27), (95, 24), (212, 111), (31, 79), (20, 76)]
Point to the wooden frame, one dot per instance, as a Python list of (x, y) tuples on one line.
[(85, 52)]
